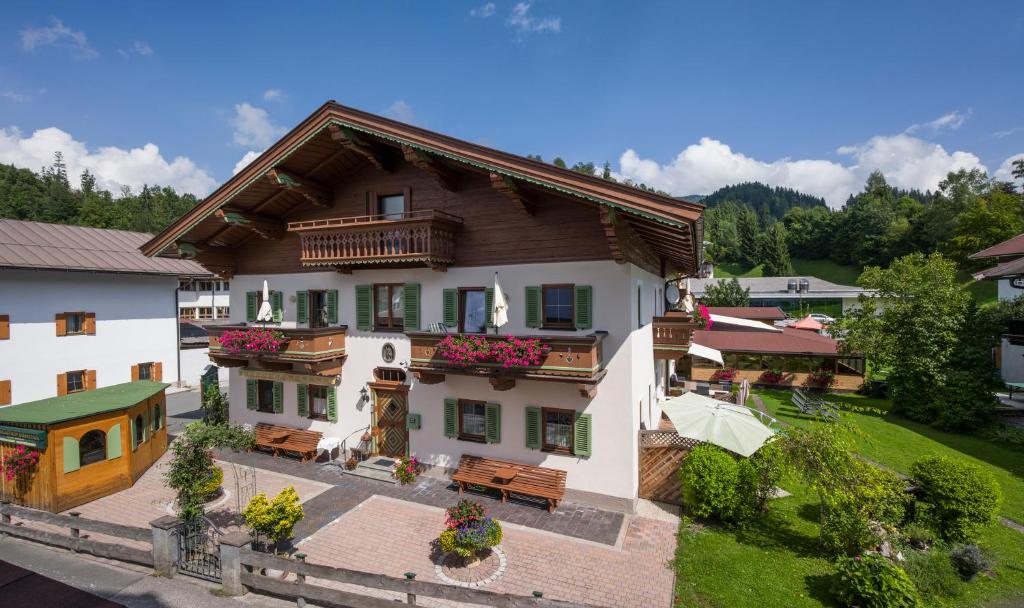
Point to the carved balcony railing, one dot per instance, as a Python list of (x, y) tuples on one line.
[(425, 237), (317, 351), (574, 359), (672, 336)]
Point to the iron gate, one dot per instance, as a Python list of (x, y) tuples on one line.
[(199, 549)]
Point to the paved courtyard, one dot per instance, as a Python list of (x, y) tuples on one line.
[(390, 536)]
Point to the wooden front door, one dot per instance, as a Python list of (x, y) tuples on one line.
[(390, 410)]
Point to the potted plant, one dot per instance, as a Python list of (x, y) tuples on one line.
[(518, 352), (273, 519), (463, 351), (469, 532), (703, 317), (725, 376), (211, 488), (820, 378), (252, 339), (771, 376), (406, 469)]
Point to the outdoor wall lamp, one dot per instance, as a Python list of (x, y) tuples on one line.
[(364, 395)]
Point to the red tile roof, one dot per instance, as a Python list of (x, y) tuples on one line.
[(1009, 247), (758, 313), (788, 341)]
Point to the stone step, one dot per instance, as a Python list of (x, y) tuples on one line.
[(374, 474), (379, 463)]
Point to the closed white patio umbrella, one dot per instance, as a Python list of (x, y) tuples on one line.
[(727, 425), (266, 312)]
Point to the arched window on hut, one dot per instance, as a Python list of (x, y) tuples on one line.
[(92, 448)]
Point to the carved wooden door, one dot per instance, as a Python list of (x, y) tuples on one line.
[(391, 410)]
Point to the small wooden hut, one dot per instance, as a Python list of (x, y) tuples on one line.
[(90, 444)]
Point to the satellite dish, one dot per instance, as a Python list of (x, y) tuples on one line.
[(672, 294)]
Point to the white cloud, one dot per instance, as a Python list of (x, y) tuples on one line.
[(60, 35), (15, 96), (1005, 170), (523, 22), (113, 167), (701, 168), (400, 111), (243, 162), (253, 127), (484, 11), (140, 48), (950, 120), (273, 95), (1007, 132)]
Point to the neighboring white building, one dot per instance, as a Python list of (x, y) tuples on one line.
[(82, 308), (377, 239), (204, 299), (1009, 277), (794, 294)]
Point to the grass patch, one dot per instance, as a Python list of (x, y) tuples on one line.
[(732, 269), (774, 561)]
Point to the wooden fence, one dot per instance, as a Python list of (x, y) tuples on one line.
[(250, 563), (73, 539), (661, 454)]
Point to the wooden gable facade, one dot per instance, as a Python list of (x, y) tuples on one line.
[(310, 203)]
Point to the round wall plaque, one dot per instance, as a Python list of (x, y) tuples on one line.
[(388, 352)]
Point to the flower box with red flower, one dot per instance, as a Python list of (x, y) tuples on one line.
[(726, 374), (241, 343)]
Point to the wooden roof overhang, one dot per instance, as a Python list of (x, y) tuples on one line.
[(659, 232)]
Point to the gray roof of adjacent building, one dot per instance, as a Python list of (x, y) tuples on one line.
[(778, 287), (42, 246)]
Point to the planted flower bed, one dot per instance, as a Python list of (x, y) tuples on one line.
[(469, 532)]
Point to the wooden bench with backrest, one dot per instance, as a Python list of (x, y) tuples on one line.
[(511, 478), (813, 409), (279, 439)]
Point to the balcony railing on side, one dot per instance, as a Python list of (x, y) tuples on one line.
[(575, 359), (304, 345), (424, 237), (672, 336)]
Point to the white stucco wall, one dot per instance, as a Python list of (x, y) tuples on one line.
[(193, 364), (136, 322), (622, 397)]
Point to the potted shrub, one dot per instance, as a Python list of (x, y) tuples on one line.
[(469, 532), (820, 378), (273, 519), (406, 469), (724, 376), (211, 488), (771, 376)]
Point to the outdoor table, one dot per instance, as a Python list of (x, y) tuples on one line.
[(279, 436), (328, 444), (505, 474)]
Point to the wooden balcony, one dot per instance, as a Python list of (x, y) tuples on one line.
[(414, 238), (573, 359), (672, 336), (318, 351)]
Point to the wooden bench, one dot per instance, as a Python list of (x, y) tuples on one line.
[(540, 482), (279, 439)]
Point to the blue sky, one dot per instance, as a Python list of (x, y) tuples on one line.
[(685, 96)]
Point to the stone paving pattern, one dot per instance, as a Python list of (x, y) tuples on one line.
[(392, 537), (570, 518)]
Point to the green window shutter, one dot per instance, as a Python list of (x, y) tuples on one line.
[(71, 462), (451, 408), (250, 394), (411, 304), (581, 444), (489, 306), (301, 307), (279, 397), (250, 306), (277, 305), (450, 307), (533, 428), (332, 404), (364, 307), (532, 306), (492, 422), (301, 393), (145, 425), (131, 432), (332, 306), (584, 306), (114, 442)]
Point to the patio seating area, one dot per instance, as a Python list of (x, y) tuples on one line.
[(283, 439), (511, 477)]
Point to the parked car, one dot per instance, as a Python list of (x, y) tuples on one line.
[(822, 318)]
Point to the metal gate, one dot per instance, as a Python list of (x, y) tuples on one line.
[(661, 454), (199, 549)]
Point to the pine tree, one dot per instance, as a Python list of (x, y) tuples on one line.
[(748, 228), (775, 257)]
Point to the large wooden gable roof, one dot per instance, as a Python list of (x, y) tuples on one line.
[(336, 141)]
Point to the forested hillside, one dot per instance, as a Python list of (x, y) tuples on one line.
[(969, 211), (49, 197), (764, 200)]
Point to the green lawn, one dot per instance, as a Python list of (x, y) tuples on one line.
[(823, 269), (774, 561), (729, 270)]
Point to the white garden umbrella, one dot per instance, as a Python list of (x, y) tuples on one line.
[(266, 312), (733, 427), (500, 312)]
